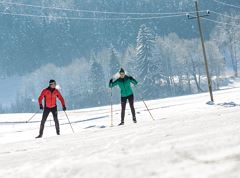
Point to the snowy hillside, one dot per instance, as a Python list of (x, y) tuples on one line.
[(188, 139)]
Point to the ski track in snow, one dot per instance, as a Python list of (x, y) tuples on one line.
[(188, 139)]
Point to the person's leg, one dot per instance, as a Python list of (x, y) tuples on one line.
[(46, 112), (123, 104), (131, 103), (55, 117)]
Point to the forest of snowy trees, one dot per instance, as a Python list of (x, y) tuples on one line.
[(165, 64)]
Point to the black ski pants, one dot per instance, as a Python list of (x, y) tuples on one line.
[(131, 103), (46, 112)]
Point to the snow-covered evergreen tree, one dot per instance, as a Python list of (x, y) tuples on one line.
[(129, 60), (146, 66), (114, 62), (97, 83)]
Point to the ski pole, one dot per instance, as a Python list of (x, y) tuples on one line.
[(147, 108), (111, 110), (32, 117), (69, 121)]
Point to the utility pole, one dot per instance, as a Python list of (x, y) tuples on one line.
[(198, 17)]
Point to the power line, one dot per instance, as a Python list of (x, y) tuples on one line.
[(218, 22), (224, 3), (90, 18), (93, 11), (224, 15)]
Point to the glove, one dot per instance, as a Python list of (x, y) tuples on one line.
[(111, 81), (64, 108), (41, 107)]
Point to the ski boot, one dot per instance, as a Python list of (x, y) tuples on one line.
[(40, 132), (39, 136), (122, 123), (134, 120)]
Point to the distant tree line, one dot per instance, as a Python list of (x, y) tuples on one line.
[(27, 43), (164, 66)]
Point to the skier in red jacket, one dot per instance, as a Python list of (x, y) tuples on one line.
[(50, 96)]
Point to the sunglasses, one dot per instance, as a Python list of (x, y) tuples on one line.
[(52, 83)]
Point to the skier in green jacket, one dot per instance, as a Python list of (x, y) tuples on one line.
[(124, 83)]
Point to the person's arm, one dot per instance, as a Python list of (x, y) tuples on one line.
[(40, 98), (133, 81), (61, 100), (113, 84)]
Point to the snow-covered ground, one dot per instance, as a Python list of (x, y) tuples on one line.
[(188, 139)]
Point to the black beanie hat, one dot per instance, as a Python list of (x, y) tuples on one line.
[(121, 70), (52, 81)]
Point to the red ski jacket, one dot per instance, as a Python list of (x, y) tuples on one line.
[(50, 96)]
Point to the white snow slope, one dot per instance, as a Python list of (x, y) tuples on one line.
[(188, 139)]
